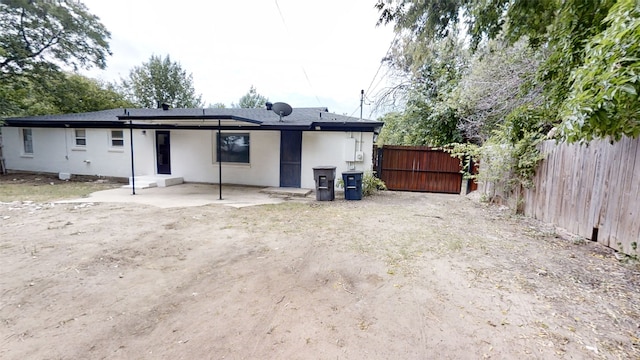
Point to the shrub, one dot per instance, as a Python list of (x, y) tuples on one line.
[(370, 183)]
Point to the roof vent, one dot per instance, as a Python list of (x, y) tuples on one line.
[(165, 106), (268, 105)]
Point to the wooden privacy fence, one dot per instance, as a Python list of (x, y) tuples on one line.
[(418, 168), (592, 191)]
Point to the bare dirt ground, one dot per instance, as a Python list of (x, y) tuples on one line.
[(394, 276)]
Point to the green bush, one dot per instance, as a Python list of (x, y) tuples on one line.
[(370, 183)]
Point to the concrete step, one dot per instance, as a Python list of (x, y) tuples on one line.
[(164, 181), (142, 184), (289, 192), (145, 182)]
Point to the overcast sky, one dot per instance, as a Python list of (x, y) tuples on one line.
[(318, 53)]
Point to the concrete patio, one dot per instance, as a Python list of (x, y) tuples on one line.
[(194, 194)]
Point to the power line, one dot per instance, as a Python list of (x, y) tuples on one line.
[(304, 71), (381, 63)]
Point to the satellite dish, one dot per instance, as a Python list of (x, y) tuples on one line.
[(282, 109)]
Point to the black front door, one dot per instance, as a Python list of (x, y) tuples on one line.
[(290, 158), (163, 152)]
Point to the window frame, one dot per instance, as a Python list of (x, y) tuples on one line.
[(83, 138), (23, 133), (244, 158), (113, 138)]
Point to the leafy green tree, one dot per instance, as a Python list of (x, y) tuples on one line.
[(162, 81), (217, 106), (251, 100), (40, 33), (37, 39), (395, 129), (433, 70), (427, 20), (58, 93), (75, 93), (604, 94), (567, 32)]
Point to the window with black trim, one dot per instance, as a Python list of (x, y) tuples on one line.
[(234, 148), (81, 137), (27, 141), (117, 138)]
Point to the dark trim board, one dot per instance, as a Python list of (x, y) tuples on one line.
[(301, 119)]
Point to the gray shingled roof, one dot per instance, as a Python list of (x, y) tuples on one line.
[(298, 117), (104, 115)]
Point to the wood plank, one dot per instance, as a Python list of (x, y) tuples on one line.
[(593, 167), (632, 232), (607, 217), (622, 226), (420, 169), (585, 187)]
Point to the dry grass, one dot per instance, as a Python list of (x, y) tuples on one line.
[(45, 188)]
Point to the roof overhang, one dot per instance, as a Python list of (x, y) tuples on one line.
[(189, 122), (366, 126), (195, 122), (62, 123)]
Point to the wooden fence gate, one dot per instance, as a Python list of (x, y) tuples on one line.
[(418, 168)]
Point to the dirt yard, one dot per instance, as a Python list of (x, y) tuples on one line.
[(394, 276)]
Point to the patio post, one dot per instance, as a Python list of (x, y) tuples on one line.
[(219, 155), (133, 174)]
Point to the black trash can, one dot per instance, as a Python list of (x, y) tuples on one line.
[(325, 177), (352, 185)]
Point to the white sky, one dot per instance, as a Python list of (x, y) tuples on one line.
[(231, 45)]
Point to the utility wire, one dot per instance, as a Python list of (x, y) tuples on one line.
[(304, 71), (395, 37), (381, 63)]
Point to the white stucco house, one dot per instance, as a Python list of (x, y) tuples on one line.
[(256, 147)]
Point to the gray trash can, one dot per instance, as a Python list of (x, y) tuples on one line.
[(352, 185), (325, 177)]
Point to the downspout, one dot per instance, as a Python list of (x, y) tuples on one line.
[(133, 174)]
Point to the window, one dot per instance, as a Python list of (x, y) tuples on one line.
[(27, 141), (234, 148), (81, 137), (117, 138)]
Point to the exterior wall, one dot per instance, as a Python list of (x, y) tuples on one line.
[(192, 154), (54, 151), (193, 158), (326, 148)]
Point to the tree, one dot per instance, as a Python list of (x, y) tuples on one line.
[(604, 93), (39, 33), (427, 20), (57, 92), (76, 93), (500, 79), (396, 127), (434, 70), (569, 32), (251, 100), (162, 81), (37, 39)]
